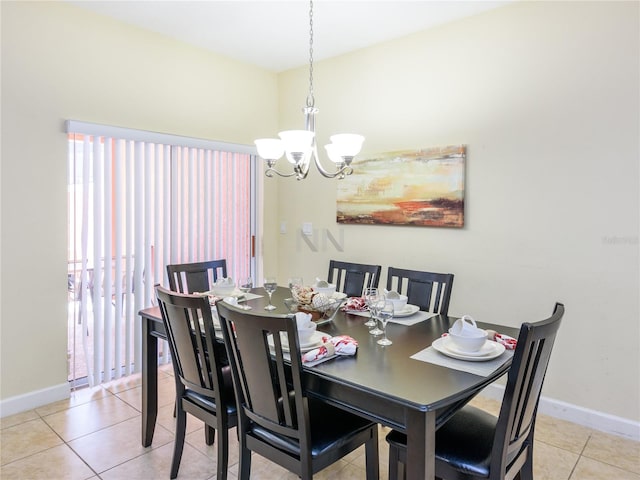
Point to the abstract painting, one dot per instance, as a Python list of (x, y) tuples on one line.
[(413, 187)]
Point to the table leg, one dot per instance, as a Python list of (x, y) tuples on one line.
[(149, 383), (421, 442)]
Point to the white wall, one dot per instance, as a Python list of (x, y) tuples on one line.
[(60, 62), (546, 96)]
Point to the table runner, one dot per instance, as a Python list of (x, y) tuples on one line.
[(431, 355)]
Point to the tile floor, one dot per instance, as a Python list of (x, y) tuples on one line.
[(96, 435)]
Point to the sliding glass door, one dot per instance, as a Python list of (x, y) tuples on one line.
[(137, 202)]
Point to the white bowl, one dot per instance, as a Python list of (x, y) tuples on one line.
[(305, 332), (399, 304), (223, 290), (328, 291), (467, 343)]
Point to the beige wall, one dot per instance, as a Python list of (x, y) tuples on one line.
[(546, 97), (544, 94), (60, 62)]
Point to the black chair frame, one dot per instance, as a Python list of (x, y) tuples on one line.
[(353, 278), (474, 444), (276, 418), (430, 291), (195, 277), (204, 387)]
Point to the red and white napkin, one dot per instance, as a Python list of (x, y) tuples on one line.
[(331, 346), (509, 343), (355, 304)]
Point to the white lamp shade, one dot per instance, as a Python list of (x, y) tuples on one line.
[(270, 148), (347, 144), (332, 153), (297, 144)]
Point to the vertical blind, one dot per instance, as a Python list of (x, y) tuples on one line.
[(137, 202)]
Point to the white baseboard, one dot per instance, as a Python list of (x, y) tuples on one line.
[(604, 422), (31, 400)]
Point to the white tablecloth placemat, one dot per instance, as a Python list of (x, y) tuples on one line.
[(431, 355), (248, 296), (417, 317)]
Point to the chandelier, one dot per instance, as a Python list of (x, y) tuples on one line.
[(299, 146)]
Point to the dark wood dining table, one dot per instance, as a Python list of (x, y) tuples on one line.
[(380, 383)]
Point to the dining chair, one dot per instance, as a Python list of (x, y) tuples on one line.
[(474, 444), (429, 291), (276, 417), (353, 278), (204, 387), (195, 277)]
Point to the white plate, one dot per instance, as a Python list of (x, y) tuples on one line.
[(407, 311), (339, 295), (314, 342), (489, 351)]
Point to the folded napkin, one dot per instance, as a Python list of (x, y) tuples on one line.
[(355, 304), (331, 346), (302, 319), (509, 343)]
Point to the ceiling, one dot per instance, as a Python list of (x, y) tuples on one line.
[(275, 34)]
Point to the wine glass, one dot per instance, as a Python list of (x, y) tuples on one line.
[(270, 286), (375, 308), (295, 281), (370, 295), (246, 284), (384, 315)]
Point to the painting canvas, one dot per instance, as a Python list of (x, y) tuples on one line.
[(414, 187)]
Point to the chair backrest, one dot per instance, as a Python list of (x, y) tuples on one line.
[(514, 430), (430, 291), (353, 278), (197, 357), (269, 392), (195, 277)]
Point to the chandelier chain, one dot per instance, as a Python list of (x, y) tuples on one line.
[(310, 98)]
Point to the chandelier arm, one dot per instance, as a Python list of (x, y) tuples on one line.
[(269, 171), (340, 173)]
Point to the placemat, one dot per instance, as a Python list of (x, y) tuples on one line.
[(431, 355), (417, 317)]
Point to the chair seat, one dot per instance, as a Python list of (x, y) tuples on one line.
[(209, 403), (344, 427), (464, 442)]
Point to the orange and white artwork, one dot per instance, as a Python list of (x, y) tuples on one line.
[(413, 187)]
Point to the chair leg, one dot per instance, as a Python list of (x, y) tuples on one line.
[(394, 462), (178, 446), (223, 452), (371, 455), (209, 435), (244, 469)]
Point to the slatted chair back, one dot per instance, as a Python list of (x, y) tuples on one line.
[(353, 278), (428, 290), (195, 277), (203, 382), (276, 417), (514, 430)]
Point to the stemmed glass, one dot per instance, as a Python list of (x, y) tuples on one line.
[(384, 315), (246, 284), (370, 296), (295, 281), (270, 286), (376, 305)]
